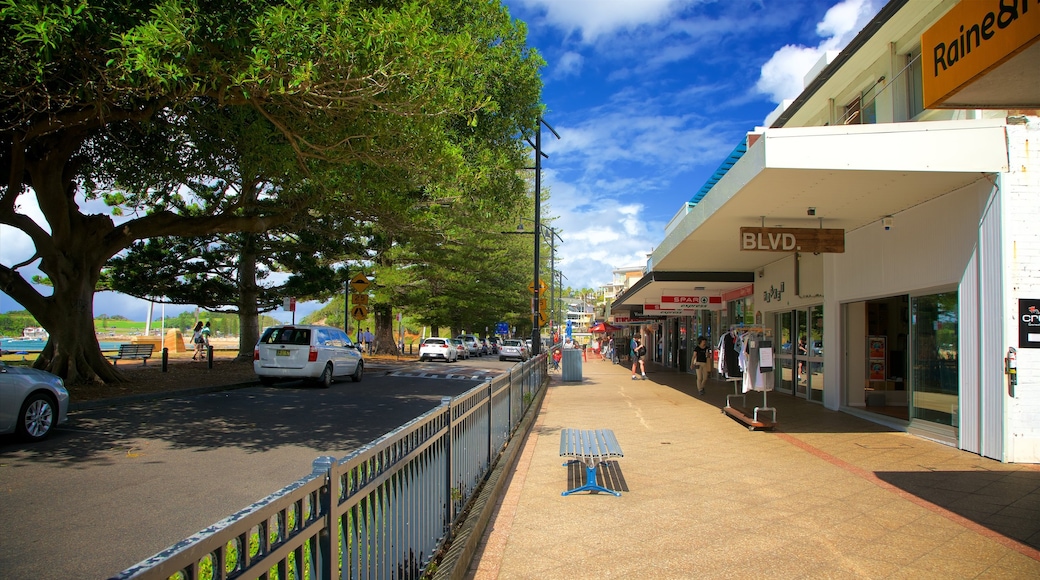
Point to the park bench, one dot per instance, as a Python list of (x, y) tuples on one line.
[(591, 447), (133, 351)]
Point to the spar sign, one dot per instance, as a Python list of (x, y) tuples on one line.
[(691, 302)]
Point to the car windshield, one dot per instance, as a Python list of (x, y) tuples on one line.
[(288, 335), (434, 341), (511, 343)]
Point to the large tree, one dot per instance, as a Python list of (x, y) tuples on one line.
[(379, 83)]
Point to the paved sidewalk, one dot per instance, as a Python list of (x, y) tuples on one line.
[(824, 495)]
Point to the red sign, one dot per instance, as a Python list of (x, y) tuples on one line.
[(739, 293)]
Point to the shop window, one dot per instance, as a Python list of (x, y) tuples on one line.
[(935, 383), (914, 88)]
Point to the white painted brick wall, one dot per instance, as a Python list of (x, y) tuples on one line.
[(1022, 259)]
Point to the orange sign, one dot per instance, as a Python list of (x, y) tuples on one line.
[(973, 37)]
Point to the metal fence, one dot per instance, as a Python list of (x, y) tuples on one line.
[(384, 511)]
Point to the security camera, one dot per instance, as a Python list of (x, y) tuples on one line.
[(811, 211), (886, 222)]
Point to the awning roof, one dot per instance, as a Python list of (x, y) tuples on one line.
[(852, 175)]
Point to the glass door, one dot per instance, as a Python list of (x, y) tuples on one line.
[(814, 353), (935, 385), (801, 353), (784, 332)]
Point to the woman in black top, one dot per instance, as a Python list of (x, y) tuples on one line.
[(700, 361)]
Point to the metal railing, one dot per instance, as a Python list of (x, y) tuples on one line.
[(384, 511)]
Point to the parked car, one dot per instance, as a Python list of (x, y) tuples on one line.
[(513, 348), (437, 348), (471, 342), (462, 349), (484, 348), (32, 402), (317, 353), (493, 344)]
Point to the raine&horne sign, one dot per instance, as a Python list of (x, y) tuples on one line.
[(820, 241)]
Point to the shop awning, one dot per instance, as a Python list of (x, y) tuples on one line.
[(852, 176)]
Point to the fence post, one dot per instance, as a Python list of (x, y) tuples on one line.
[(450, 471), (491, 423), (165, 359), (328, 538)]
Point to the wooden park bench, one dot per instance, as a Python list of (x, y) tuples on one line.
[(133, 351), (592, 448)]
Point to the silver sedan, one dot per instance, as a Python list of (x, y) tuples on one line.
[(32, 402)]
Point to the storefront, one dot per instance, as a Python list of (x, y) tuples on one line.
[(789, 296)]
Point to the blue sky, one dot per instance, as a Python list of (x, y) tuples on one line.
[(648, 96)]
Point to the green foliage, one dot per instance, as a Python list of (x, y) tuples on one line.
[(14, 323)]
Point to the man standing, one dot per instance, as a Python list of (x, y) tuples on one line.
[(368, 338), (638, 354)]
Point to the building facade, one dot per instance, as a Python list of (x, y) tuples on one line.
[(882, 233)]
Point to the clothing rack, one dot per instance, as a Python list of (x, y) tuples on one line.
[(752, 420)]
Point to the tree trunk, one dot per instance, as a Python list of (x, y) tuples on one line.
[(73, 351), (248, 312), (385, 343)]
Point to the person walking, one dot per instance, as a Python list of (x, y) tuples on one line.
[(638, 356), (198, 341), (700, 361)]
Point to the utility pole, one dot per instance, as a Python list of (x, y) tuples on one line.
[(536, 341)]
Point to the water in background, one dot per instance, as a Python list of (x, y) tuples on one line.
[(18, 345)]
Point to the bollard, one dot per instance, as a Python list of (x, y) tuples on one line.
[(165, 359), (209, 356)]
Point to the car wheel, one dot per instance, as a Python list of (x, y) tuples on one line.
[(325, 380), (422, 359), (36, 421), (358, 372)]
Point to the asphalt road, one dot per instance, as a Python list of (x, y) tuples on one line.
[(117, 485)]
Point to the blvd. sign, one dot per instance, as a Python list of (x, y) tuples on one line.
[(817, 241)]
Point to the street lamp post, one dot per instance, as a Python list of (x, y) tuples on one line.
[(549, 234), (536, 342)]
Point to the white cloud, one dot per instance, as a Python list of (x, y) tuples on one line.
[(782, 76), (593, 18), (568, 65)]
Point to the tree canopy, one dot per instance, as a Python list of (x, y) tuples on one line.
[(99, 100)]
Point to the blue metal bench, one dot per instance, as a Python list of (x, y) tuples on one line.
[(590, 447)]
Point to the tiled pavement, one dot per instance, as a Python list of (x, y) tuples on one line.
[(824, 495)]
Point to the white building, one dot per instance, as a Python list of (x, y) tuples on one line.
[(917, 151)]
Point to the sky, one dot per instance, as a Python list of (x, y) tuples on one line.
[(648, 97)]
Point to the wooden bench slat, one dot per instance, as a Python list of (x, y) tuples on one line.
[(133, 351)]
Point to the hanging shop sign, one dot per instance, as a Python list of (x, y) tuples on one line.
[(742, 292), (691, 302), (1028, 323), (970, 41), (815, 240)]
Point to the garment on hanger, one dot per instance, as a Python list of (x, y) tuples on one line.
[(754, 378), (729, 360)]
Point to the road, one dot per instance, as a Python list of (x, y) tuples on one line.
[(115, 486)]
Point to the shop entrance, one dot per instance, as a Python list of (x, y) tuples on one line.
[(800, 354), (878, 355)]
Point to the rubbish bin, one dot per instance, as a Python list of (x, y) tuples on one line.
[(571, 365)]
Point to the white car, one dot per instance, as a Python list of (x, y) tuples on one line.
[(513, 348), (32, 402), (471, 342), (436, 347), (301, 351)]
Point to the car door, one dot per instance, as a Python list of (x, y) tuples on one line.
[(350, 356)]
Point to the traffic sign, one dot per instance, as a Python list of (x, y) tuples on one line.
[(543, 303), (502, 328), (358, 312), (359, 283), (542, 318), (541, 287), (360, 298)]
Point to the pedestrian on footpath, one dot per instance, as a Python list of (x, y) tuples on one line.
[(198, 341), (638, 354), (700, 360)]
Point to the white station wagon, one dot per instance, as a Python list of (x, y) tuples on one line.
[(318, 353)]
